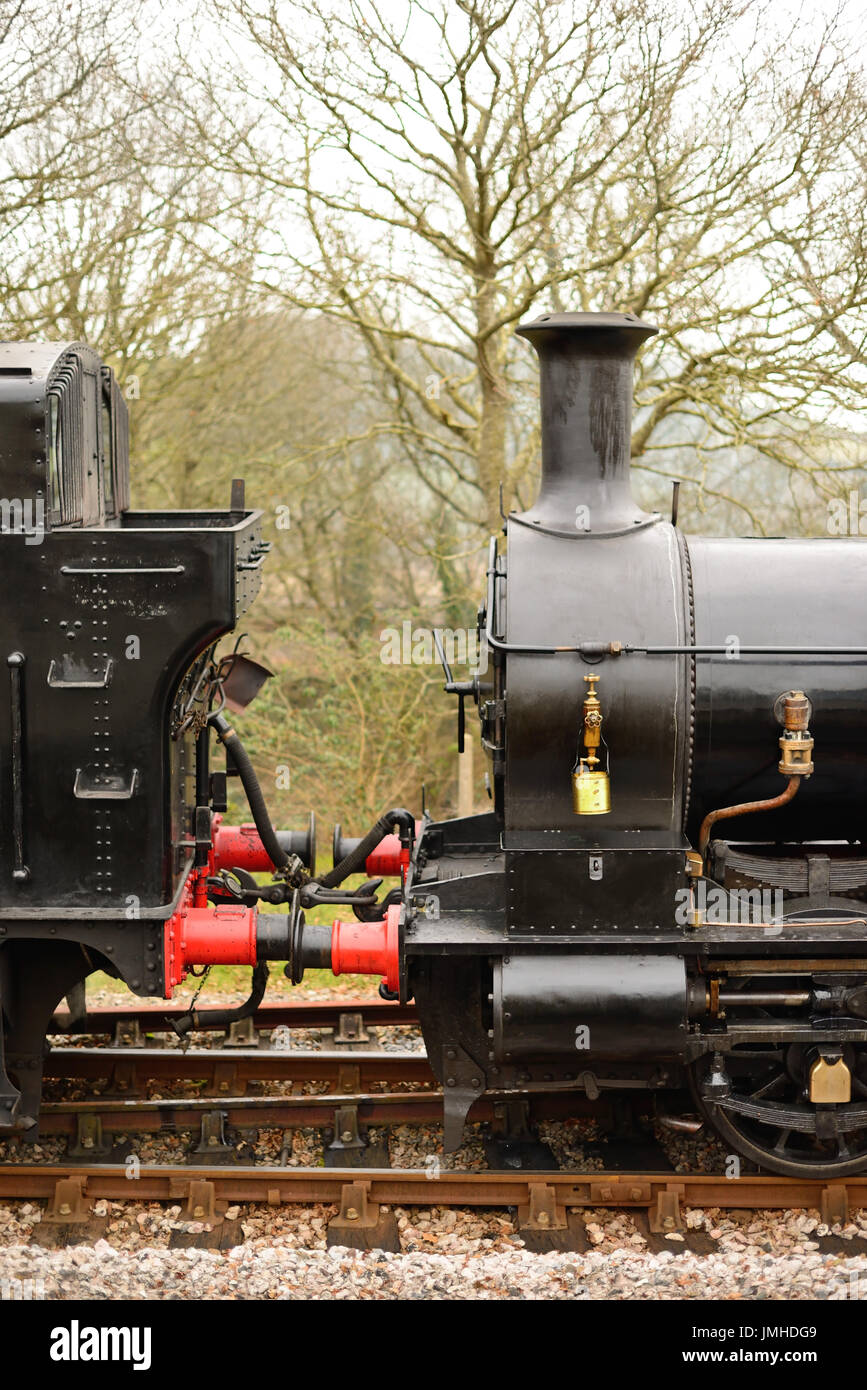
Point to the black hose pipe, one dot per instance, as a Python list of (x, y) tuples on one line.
[(354, 862), (250, 782), (217, 1018)]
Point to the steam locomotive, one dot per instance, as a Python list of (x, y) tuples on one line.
[(670, 888)]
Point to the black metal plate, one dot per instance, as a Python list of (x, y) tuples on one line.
[(570, 892)]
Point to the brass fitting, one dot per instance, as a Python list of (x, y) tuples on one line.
[(830, 1082), (694, 864), (591, 792), (592, 715), (796, 744), (694, 869)]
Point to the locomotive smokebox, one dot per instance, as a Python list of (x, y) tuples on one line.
[(585, 377)]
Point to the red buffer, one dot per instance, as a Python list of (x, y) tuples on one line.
[(203, 935), (368, 948), (239, 847), (198, 934)]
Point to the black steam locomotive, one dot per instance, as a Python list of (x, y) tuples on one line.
[(671, 886), (670, 890), (110, 811)]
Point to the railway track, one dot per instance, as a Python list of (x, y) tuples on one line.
[(548, 1206), (317, 1013), (219, 1114), (76, 1118), (226, 1071), (548, 1202)]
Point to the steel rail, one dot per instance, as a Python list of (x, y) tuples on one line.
[(119, 1116), (317, 1013), (238, 1112), (417, 1187), (126, 1068)]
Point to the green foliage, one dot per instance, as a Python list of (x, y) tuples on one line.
[(356, 735), (284, 403)]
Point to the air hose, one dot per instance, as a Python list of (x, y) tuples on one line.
[(250, 782), (218, 1018), (354, 862)]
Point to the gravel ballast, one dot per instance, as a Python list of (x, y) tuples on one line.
[(445, 1254), (100, 1272)]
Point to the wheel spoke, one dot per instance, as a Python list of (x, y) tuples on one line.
[(774, 1138), (782, 1141), (769, 1087)]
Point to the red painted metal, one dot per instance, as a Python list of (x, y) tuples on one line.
[(388, 860), (368, 948), (239, 847), (198, 934), (224, 935), (202, 935)]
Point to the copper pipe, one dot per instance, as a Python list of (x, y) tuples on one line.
[(762, 926), (681, 1124), (745, 807)]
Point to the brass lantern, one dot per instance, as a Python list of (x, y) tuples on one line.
[(591, 789)]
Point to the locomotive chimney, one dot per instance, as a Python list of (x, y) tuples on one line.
[(585, 375)]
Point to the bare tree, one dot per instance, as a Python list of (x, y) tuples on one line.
[(130, 266), (111, 232), (257, 397), (446, 168), (56, 129), (116, 232)]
